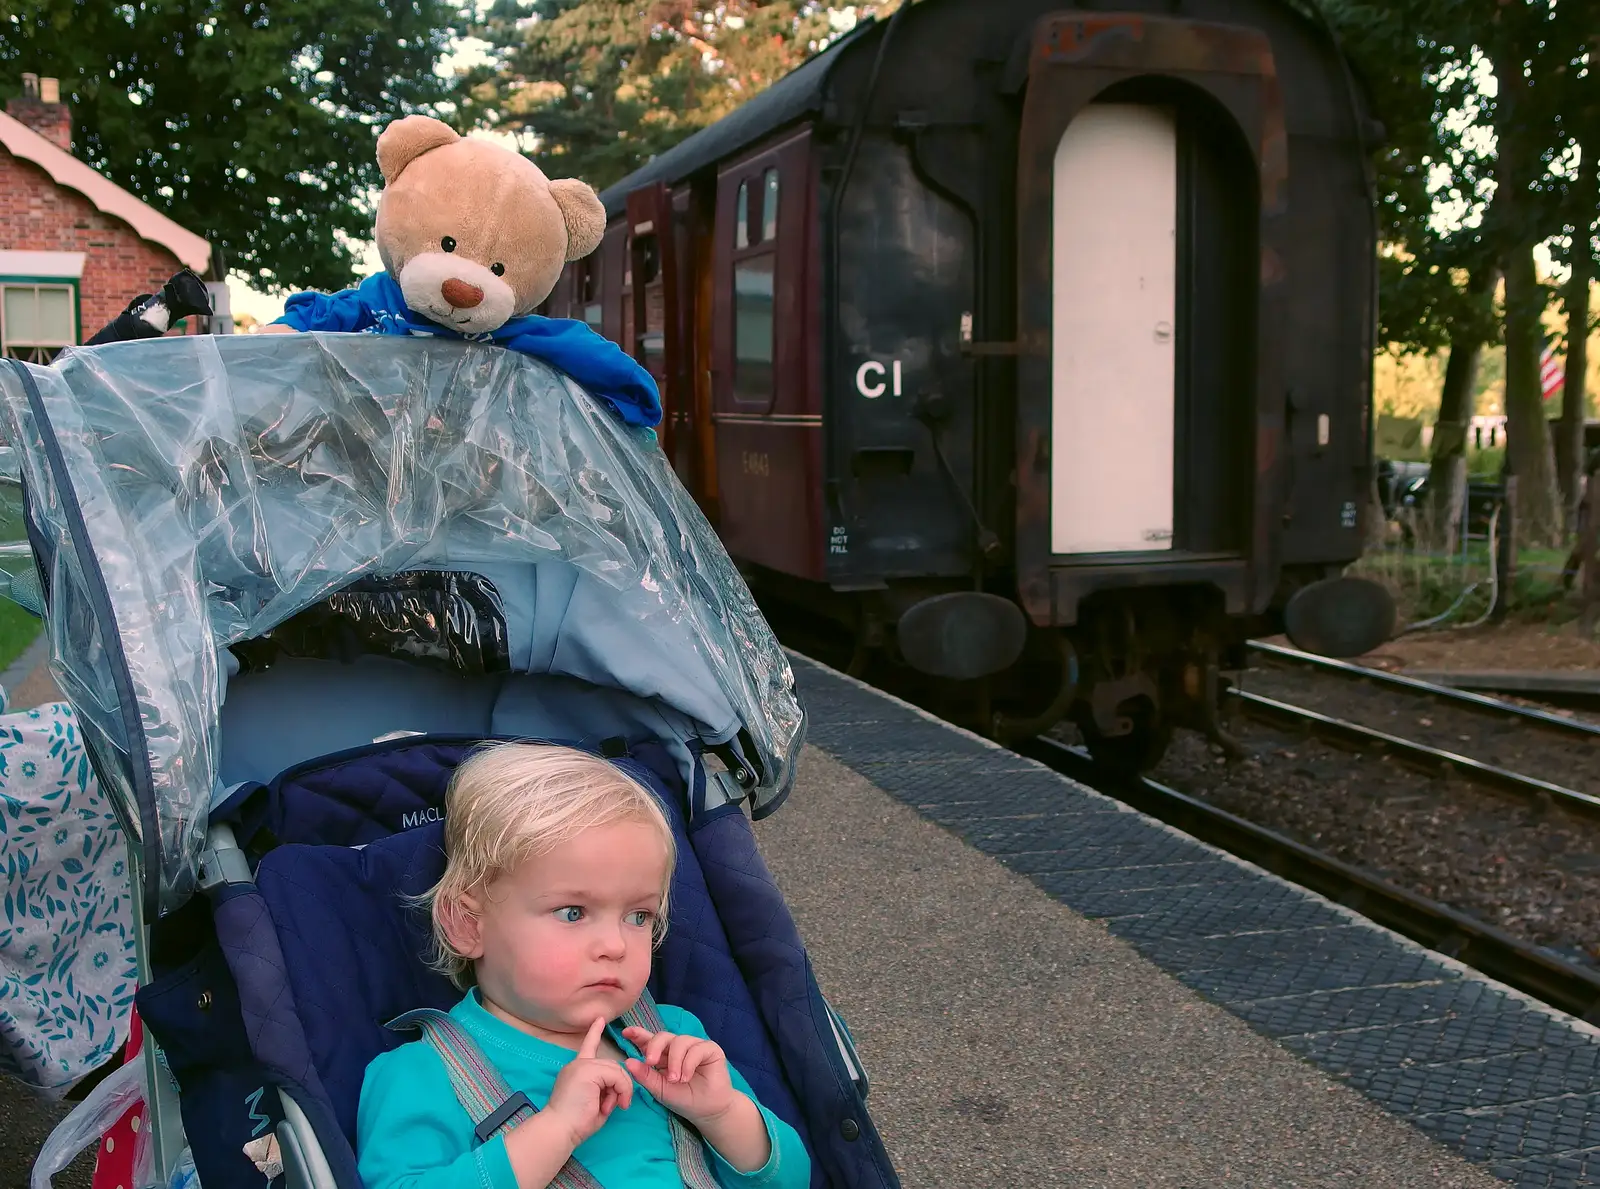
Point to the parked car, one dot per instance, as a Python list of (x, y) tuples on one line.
[(1395, 479), (1409, 498)]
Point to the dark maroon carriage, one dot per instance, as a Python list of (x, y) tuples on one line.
[(1033, 345)]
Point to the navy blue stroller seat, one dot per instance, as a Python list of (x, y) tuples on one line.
[(311, 956)]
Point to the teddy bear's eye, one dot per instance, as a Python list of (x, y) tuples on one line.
[(498, 269), (448, 243)]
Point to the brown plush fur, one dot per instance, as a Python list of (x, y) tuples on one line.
[(496, 204)]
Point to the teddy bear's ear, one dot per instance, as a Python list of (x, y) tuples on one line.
[(585, 216), (403, 141)]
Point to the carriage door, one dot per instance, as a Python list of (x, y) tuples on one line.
[(1152, 225), (657, 323), (1114, 286)]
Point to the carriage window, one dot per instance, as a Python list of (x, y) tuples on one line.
[(752, 328), (627, 294), (589, 296), (652, 258), (769, 205), (741, 214)]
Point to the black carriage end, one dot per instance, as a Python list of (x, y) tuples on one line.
[(901, 306)]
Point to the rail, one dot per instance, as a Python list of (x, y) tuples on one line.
[(1444, 762), (1496, 953), (1444, 693)]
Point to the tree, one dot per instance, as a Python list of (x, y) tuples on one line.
[(595, 88), (1436, 276), (1478, 100), (1574, 397), (1528, 135), (251, 122), (1580, 119)]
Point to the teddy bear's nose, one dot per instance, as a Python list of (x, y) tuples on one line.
[(460, 295)]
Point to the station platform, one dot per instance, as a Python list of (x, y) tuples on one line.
[(1050, 989)]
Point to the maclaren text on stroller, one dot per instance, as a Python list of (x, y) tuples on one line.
[(289, 583)]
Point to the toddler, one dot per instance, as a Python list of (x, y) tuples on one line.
[(553, 898)]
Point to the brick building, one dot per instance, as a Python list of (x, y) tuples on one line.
[(74, 247)]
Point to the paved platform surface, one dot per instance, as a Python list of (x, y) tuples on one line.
[(1051, 990), (1013, 1042), (1195, 1041)]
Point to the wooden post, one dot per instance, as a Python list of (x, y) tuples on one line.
[(1588, 543), (1506, 546)]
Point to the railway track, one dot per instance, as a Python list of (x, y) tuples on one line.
[(1497, 953), (1530, 716), (1433, 759), (1517, 963)]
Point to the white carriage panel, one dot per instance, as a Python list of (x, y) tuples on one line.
[(1115, 212)]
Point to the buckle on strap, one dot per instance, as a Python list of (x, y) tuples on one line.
[(502, 1115)]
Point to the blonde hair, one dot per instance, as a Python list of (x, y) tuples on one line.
[(511, 802)]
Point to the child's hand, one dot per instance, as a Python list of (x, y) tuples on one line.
[(689, 1076), (588, 1088), (686, 1074)]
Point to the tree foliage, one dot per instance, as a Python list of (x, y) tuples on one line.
[(594, 88), (251, 122), (1423, 83), (1489, 109)]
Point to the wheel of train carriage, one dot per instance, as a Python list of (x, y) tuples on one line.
[(1137, 751)]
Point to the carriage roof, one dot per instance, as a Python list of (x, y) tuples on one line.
[(804, 92)]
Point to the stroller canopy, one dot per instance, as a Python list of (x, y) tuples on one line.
[(189, 494)]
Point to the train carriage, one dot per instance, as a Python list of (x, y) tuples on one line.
[(1033, 344)]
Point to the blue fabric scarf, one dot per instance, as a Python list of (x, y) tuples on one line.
[(377, 306)]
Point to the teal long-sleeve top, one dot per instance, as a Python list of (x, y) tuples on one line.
[(411, 1133)]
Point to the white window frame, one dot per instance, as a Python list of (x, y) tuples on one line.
[(41, 351)]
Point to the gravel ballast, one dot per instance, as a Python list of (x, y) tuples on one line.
[(1523, 865)]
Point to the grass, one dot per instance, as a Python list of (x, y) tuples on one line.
[(1426, 585), (18, 629)]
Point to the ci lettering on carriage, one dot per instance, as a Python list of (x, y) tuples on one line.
[(874, 378)]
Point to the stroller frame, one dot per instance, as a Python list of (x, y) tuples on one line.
[(477, 499)]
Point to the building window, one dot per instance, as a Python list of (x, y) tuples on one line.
[(753, 327), (36, 321), (769, 205)]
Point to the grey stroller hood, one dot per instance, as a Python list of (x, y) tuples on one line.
[(192, 493)]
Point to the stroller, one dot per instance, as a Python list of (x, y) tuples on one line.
[(289, 582)]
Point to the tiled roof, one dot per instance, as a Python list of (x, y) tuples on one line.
[(110, 198)]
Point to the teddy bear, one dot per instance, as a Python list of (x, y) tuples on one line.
[(473, 237)]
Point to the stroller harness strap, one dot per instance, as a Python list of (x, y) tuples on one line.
[(494, 1107)]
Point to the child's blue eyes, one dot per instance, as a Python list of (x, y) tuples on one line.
[(572, 914)]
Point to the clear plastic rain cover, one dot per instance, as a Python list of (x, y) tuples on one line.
[(189, 493)]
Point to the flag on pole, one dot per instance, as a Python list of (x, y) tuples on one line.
[(1551, 373)]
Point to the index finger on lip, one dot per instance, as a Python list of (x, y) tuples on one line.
[(591, 1041)]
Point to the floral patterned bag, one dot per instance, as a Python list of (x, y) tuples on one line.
[(66, 930)]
